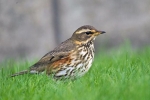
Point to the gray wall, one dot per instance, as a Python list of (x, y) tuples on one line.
[(27, 26)]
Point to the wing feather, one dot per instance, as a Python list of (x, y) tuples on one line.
[(60, 52)]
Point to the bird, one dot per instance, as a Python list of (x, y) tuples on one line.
[(71, 59)]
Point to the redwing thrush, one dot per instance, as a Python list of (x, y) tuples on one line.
[(72, 58)]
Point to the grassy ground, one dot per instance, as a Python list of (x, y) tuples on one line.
[(121, 74)]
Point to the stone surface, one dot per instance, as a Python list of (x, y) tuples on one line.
[(26, 26)]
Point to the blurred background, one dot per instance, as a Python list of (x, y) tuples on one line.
[(31, 28)]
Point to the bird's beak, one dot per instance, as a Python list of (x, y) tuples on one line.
[(102, 32), (99, 32)]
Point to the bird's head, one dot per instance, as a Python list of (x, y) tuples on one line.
[(85, 34)]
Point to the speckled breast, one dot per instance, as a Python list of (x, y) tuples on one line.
[(79, 62)]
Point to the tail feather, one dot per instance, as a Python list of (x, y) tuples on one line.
[(20, 73)]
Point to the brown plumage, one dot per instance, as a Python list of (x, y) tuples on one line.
[(72, 58)]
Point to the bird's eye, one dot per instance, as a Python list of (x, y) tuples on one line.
[(87, 33)]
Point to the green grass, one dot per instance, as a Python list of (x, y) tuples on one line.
[(121, 74)]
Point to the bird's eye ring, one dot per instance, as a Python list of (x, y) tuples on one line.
[(87, 33)]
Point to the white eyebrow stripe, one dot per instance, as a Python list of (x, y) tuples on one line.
[(83, 30)]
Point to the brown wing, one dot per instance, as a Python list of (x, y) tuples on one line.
[(60, 52)]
